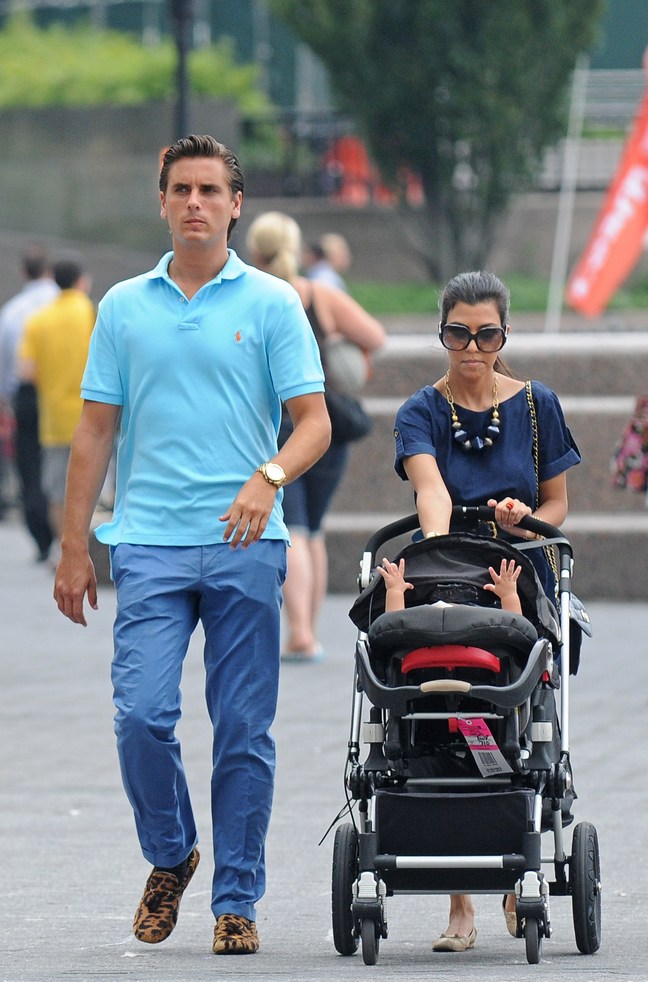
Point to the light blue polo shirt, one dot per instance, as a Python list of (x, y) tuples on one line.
[(200, 383)]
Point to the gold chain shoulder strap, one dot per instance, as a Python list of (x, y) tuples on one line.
[(548, 550)]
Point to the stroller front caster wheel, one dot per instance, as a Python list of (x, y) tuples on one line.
[(532, 940), (370, 941)]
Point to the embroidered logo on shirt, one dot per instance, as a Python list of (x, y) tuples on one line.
[(237, 336)]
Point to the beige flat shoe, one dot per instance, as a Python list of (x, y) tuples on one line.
[(511, 918), (455, 942)]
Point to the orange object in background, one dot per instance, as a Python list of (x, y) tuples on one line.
[(619, 235), (355, 181)]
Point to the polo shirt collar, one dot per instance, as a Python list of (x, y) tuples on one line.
[(233, 268)]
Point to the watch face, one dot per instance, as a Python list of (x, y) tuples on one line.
[(275, 472)]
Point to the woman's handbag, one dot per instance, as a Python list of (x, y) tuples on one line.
[(347, 366), (629, 461), (349, 421), (579, 621)]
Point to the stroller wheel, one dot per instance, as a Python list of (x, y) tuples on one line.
[(532, 940), (585, 883), (345, 873), (370, 941)]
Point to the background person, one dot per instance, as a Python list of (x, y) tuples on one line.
[(275, 244), (196, 355), (331, 260), (478, 436), (38, 290), (52, 356)]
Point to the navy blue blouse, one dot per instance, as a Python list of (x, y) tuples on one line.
[(424, 425)]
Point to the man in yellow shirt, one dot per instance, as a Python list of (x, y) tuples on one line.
[(52, 355)]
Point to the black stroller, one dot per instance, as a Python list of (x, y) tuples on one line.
[(468, 734)]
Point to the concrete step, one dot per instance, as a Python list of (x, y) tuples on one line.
[(613, 363)]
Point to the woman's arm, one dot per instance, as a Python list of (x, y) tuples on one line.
[(341, 314), (433, 503)]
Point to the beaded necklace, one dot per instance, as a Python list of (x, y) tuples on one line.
[(460, 435)]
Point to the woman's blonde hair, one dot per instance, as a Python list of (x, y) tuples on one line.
[(274, 241)]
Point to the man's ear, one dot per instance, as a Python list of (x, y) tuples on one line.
[(163, 211)]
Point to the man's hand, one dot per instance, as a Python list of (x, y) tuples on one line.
[(247, 516), (75, 577)]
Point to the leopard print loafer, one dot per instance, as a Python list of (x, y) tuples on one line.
[(235, 935), (157, 914)]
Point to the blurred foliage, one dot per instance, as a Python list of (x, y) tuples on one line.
[(528, 295), (84, 66)]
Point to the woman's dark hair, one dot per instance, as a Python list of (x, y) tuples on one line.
[(203, 146), (473, 288)]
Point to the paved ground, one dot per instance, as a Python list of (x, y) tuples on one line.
[(71, 869)]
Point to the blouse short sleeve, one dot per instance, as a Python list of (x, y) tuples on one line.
[(413, 429), (557, 450)]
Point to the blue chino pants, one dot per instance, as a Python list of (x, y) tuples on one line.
[(162, 593)]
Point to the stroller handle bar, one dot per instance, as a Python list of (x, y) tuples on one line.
[(483, 513)]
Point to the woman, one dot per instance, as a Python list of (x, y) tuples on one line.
[(274, 243), (479, 436)]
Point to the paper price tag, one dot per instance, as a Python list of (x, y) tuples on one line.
[(487, 755)]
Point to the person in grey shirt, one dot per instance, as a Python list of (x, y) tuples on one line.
[(38, 290)]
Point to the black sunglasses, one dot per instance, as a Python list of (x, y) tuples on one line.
[(456, 337)]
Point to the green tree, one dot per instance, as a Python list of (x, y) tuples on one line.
[(466, 94)]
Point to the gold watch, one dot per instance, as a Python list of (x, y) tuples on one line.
[(273, 473)]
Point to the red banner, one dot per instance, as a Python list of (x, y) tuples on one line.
[(618, 237)]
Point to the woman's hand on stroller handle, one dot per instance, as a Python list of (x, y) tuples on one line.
[(508, 513), (487, 513)]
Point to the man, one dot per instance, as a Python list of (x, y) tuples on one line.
[(331, 260), (52, 355), (196, 355), (39, 289)]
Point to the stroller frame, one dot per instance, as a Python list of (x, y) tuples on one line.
[(445, 807)]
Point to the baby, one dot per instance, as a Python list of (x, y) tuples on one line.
[(504, 584)]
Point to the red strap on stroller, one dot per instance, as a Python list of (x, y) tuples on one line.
[(450, 656)]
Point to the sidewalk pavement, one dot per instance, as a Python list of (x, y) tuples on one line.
[(73, 874)]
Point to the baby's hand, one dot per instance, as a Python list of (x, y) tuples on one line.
[(394, 576), (505, 582)]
